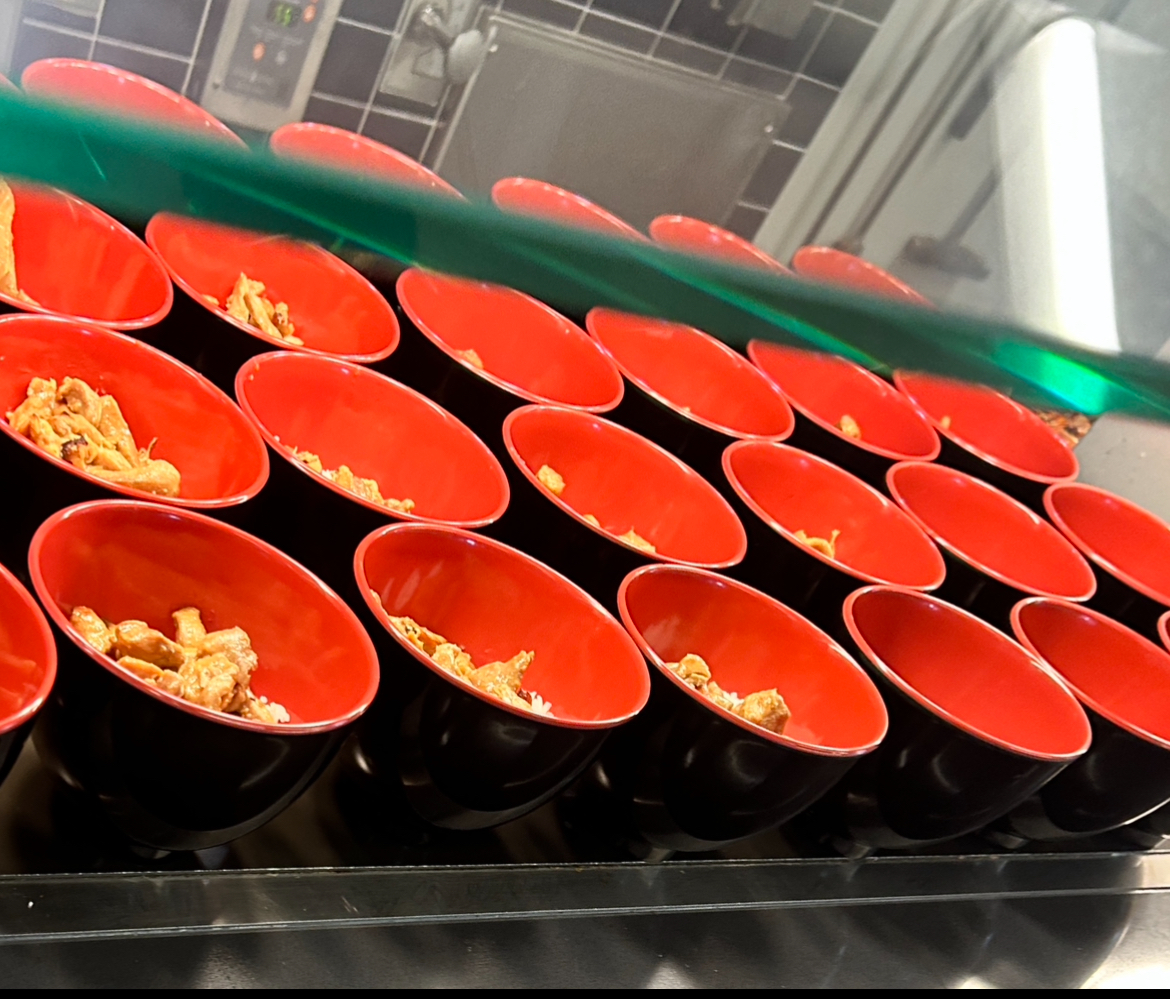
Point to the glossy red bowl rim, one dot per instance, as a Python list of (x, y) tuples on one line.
[(904, 292), (243, 327), (781, 740), (215, 126), (1163, 627), (1090, 702), (891, 473), (383, 619), (530, 475), (661, 222), (108, 664), (111, 324), (1087, 550), (615, 226), (177, 502), (753, 351), (276, 141), (766, 518), (735, 356), (29, 710), (505, 386), (279, 448), (1001, 464), (937, 710)]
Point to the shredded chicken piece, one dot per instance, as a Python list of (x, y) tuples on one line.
[(249, 304), (189, 629), (551, 479), (694, 670), (471, 356), (139, 640), (765, 708), (93, 629), (826, 546), (367, 489), (8, 283), (849, 427), (632, 537)]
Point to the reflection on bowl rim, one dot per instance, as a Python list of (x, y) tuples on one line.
[(745, 246), (30, 709), (615, 226)]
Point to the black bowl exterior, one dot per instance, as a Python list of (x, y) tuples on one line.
[(983, 595), (11, 743), (450, 759), (1123, 603), (1027, 491), (167, 778), (867, 465), (681, 777)]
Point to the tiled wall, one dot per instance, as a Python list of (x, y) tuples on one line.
[(171, 41)]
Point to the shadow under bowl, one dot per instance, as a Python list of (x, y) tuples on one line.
[(168, 773), (447, 752), (687, 235)]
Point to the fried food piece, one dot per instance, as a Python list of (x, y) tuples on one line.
[(693, 670), (632, 537), (189, 629), (249, 304), (211, 681), (945, 423), (78, 397), (235, 645), (471, 356), (849, 427), (8, 283), (551, 479), (310, 459), (1072, 427), (593, 520), (211, 300), (139, 640), (454, 660), (39, 399), (142, 669), (262, 710), (826, 546), (367, 489), (765, 708), (159, 477), (423, 639), (92, 628), (42, 434), (112, 425)]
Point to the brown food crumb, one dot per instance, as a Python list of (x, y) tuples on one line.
[(367, 489), (945, 423), (211, 300), (849, 427), (1072, 427), (765, 708), (551, 479), (249, 304), (632, 537), (471, 356), (826, 546), (8, 283)]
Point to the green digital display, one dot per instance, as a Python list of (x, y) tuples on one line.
[(284, 14)]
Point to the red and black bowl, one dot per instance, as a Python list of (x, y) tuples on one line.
[(1127, 546), (347, 414), (824, 390), (444, 750), (481, 350), (687, 235), (997, 550), (991, 436), (691, 393), (219, 454), (1123, 682), (525, 196), (780, 490), (28, 666), (171, 774), (977, 725), (626, 483), (690, 775), (335, 310), (823, 263), (75, 261)]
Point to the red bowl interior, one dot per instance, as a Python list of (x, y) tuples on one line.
[(822, 263), (28, 655), (1119, 536), (992, 427), (967, 672), (991, 531), (1114, 671), (705, 240), (694, 374), (824, 388), (535, 197), (752, 642), (385, 431), (526, 348), (793, 491), (78, 81), (200, 431), (76, 261), (142, 561), (335, 310), (626, 482), (344, 150), (458, 583)]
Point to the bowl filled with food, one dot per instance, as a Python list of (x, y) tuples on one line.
[(754, 713), (815, 532), (996, 549), (205, 678), (244, 293), (690, 393), (525, 196), (991, 436), (977, 725), (687, 235), (86, 413), (352, 450), (595, 500), (481, 350), (823, 263), (501, 678), (845, 413)]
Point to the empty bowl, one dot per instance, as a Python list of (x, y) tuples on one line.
[(845, 413), (688, 235), (780, 491), (347, 414), (997, 550), (691, 393), (823, 263), (451, 754), (688, 774), (617, 487), (171, 774), (218, 453), (335, 310), (1123, 682), (991, 436), (534, 197), (977, 724)]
